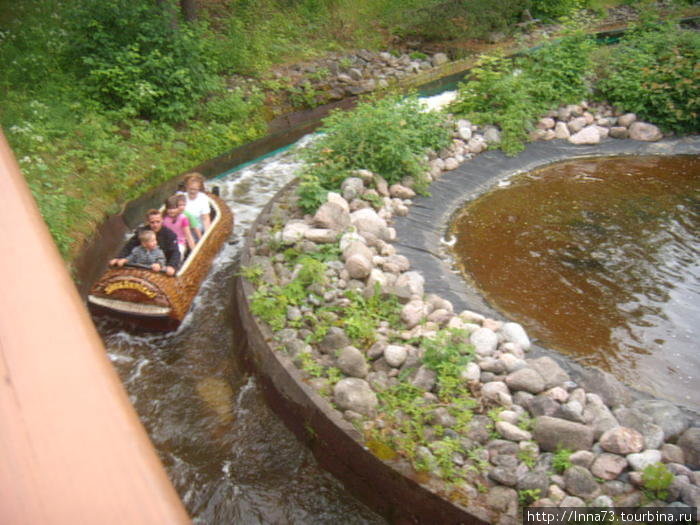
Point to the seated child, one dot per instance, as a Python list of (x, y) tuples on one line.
[(147, 253), (178, 222)]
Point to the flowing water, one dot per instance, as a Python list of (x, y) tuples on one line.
[(230, 458), (598, 258)]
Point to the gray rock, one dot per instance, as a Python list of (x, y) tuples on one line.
[(492, 135), (588, 135), (352, 362), (401, 192), (576, 124), (622, 440), (602, 502), (645, 131), (514, 332), (497, 392), (512, 432), (485, 341), (503, 499), (627, 119), (395, 355), (534, 480), (672, 453), (424, 379), (442, 417), (334, 340), (580, 482), (689, 443), (642, 423), (351, 188), (553, 433), (582, 458), (504, 475), (526, 379), (619, 132), (612, 392), (355, 394), (332, 215), (608, 466), (543, 405), (572, 501), (690, 495), (550, 371), (667, 415), (639, 461), (409, 284), (413, 312), (294, 231), (561, 131)]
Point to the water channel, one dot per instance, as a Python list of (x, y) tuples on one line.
[(230, 458)]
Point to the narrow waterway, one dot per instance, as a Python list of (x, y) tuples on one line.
[(230, 458)]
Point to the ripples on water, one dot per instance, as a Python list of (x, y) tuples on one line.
[(230, 458), (598, 258)]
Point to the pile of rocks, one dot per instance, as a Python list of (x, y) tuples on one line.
[(338, 76), (589, 124), (612, 440)]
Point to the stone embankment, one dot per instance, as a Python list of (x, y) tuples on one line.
[(533, 436)]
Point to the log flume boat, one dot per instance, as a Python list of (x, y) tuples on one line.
[(154, 300)]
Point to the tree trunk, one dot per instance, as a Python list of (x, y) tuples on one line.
[(189, 9)]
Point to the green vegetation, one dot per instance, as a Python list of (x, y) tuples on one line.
[(388, 136), (561, 460), (652, 72), (512, 93), (656, 480), (101, 101)]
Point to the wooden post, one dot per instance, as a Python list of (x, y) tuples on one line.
[(72, 448)]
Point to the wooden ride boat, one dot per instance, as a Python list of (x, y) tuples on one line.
[(153, 299)]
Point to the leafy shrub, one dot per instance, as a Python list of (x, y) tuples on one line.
[(512, 93), (134, 58), (653, 72), (561, 460), (446, 19), (388, 136), (656, 479), (553, 9)]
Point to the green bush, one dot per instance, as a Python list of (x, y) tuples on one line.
[(512, 93), (553, 9), (134, 57), (654, 73), (448, 19), (388, 136)]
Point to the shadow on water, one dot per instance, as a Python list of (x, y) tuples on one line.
[(230, 458)]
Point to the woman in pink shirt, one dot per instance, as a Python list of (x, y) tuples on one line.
[(178, 223)]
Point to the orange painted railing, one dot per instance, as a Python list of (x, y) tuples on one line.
[(72, 449)]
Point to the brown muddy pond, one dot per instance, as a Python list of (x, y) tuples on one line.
[(597, 258)]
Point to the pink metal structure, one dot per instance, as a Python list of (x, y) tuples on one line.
[(72, 449)]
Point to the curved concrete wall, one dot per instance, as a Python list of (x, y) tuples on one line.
[(73, 449)]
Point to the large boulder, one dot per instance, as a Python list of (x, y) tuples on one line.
[(689, 442), (553, 433), (665, 414), (645, 131), (355, 394)]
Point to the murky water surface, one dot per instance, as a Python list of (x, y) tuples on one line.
[(598, 258), (230, 458)]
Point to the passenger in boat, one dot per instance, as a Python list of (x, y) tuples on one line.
[(177, 221), (167, 241), (197, 204), (147, 253)]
